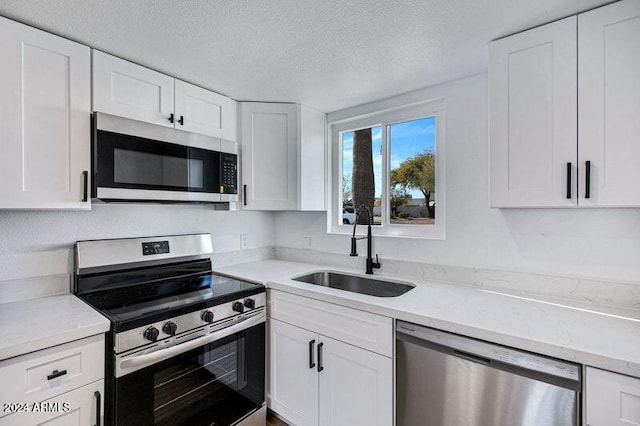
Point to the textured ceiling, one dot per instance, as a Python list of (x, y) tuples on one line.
[(327, 54)]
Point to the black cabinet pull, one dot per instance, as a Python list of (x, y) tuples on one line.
[(56, 373), (85, 189), (98, 406), (181, 120), (587, 182), (320, 367), (244, 195), (568, 180), (312, 363), (171, 120)]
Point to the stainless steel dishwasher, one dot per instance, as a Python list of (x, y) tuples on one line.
[(448, 380)]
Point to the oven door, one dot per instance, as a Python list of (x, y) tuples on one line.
[(218, 383)]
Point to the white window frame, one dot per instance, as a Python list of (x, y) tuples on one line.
[(431, 108)]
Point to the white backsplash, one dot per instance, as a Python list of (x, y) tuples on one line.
[(36, 247)]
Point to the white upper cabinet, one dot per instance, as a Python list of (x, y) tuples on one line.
[(129, 90), (132, 91), (202, 111), (533, 117), (609, 104), (283, 157), (45, 114), (564, 112)]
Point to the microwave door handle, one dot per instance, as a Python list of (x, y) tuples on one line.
[(138, 361)]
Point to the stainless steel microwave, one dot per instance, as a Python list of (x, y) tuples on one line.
[(137, 161)]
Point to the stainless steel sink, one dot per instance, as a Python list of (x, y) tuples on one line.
[(356, 284)]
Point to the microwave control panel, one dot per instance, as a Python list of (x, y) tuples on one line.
[(228, 173)]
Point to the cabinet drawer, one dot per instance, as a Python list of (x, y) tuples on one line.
[(363, 329), (76, 408), (33, 377), (612, 399)]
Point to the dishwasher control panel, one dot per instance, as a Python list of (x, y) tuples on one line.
[(484, 352)]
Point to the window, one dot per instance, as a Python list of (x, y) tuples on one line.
[(391, 162)]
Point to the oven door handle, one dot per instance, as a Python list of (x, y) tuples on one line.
[(137, 362)]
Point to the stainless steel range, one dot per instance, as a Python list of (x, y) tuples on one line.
[(186, 346)]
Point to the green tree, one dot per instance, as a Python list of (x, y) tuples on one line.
[(398, 197), (418, 172)]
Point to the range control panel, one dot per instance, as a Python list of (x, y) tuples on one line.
[(155, 247)]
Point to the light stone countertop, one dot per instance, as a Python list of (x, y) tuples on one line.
[(557, 329), (34, 324)]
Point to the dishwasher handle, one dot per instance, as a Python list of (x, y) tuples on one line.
[(472, 357)]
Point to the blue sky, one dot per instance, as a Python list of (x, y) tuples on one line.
[(406, 139)]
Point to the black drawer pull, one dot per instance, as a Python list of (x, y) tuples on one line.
[(85, 189), (320, 367), (244, 198), (181, 120), (568, 181), (587, 182), (171, 120), (56, 373), (98, 406)]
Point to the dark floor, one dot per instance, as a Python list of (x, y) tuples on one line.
[(274, 421)]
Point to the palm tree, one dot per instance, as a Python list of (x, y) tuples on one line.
[(362, 181)]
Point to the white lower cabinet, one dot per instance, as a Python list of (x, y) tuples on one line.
[(76, 408), (316, 379), (61, 385), (611, 399), (293, 380), (356, 386)]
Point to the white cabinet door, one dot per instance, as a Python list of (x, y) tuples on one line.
[(45, 114), (76, 408), (356, 386), (312, 166), (609, 104), (202, 111), (533, 117), (611, 399), (293, 377), (269, 156), (129, 90)]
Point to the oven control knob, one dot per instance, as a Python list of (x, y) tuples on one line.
[(151, 333), (250, 303), (238, 307), (170, 328), (207, 316)]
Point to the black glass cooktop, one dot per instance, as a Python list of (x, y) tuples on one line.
[(134, 298)]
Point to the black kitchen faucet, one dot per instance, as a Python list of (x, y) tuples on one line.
[(370, 264)]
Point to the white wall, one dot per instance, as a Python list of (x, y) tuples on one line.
[(599, 243), (39, 243)]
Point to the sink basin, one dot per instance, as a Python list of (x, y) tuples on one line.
[(356, 284)]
